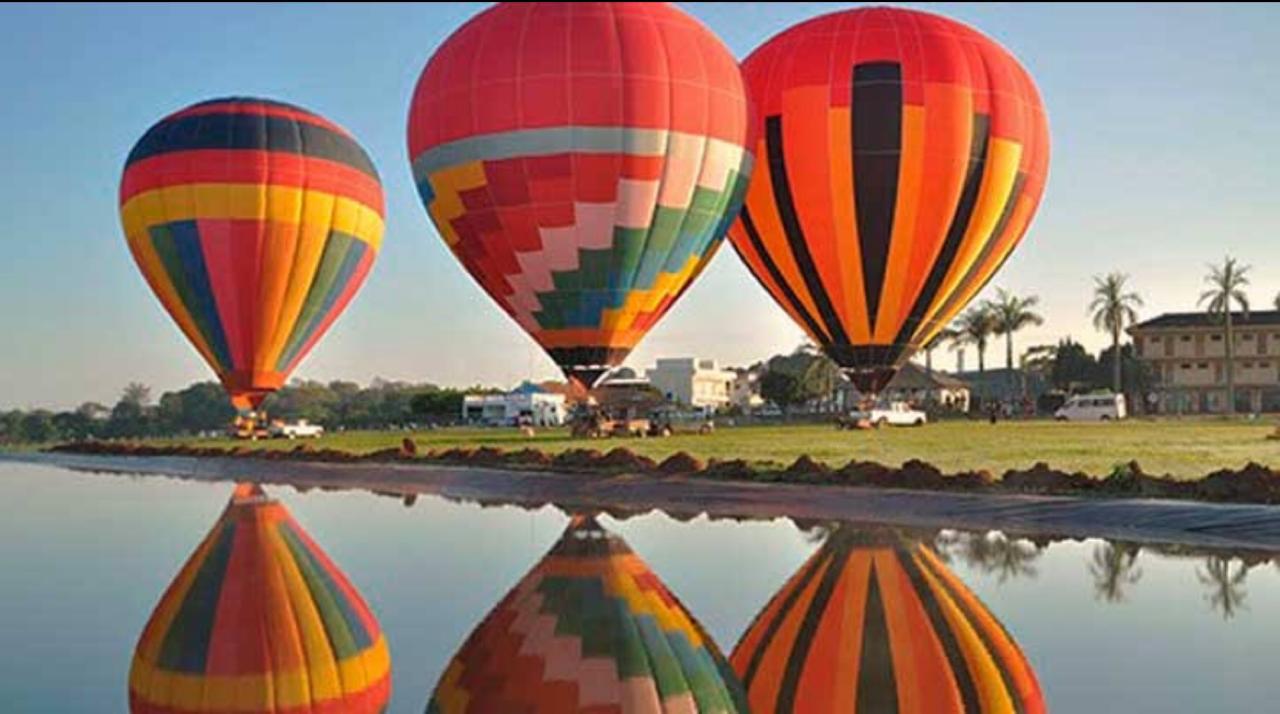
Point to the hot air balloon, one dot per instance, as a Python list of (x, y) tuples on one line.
[(875, 622), (589, 629), (259, 620), (254, 222), (582, 161), (902, 155)]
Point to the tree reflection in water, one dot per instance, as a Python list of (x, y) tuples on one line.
[(1114, 567), (1225, 583), (991, 553)]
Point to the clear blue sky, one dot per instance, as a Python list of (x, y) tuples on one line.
[(1165, 157)]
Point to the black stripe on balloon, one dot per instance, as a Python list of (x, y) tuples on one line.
[(1006, 677), (795, 233), (809, 628), (259, 132), (771, 629), (877, 686), (950, 646), (955, 233), (792, 299), (877, 153), (1002, 224)]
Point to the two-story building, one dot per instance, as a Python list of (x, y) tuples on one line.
[(692, 382), (1187, 355)]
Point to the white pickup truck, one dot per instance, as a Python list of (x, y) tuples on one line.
[(299, 429), (892, 413)]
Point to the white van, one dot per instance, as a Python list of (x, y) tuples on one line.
[(1092, 407)]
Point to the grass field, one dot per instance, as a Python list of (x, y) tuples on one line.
[(1184, 448)]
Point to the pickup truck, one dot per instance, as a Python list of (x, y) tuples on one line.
[(893, 414), (300, 429)]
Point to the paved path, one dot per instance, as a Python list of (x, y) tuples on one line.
[(1143, 520)]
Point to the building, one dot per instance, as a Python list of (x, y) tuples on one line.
[(1187, 355), (745, 392), (913, 384), (526, 404), (693, 382)]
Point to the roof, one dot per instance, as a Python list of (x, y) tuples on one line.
[(913, 376), (528, 387), (1255, 318)]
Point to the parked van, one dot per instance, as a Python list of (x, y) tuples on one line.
[(1092, 407)]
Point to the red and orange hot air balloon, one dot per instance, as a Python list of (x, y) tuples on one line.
[(254, 222), (582, 161), (901, 156), (260, 621), (876, 622)]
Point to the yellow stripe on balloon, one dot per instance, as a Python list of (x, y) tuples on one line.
[(321, 667), (312, 238), (228, 201), (247, 692), (447, 185), (144, 254), (998, 177)]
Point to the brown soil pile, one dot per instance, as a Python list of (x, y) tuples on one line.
[(680, 462)]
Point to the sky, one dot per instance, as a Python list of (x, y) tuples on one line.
[(1164, 159)]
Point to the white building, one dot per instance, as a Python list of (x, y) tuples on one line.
[(526, 404), (745, 392), (693, 382)]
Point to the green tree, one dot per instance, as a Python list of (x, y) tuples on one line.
[(37, 427), (1073, 367), (975, 326), (1226, 288), (202, 406), (136, 393), (779, 387), (1137, 375), (1112, 308)]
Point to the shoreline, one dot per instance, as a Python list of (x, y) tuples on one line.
[(1136, 519)]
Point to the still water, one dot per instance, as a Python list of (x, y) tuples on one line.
[(1095, 626)]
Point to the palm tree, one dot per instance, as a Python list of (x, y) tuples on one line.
[(1112, 308), (1012, 314), (975, 327), (1114, 566), (1226, 588), (1277, 301), (1226, 287), (946, 334)]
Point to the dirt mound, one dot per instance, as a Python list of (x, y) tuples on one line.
[(731, 469), (577, 459), (388, 454), (865, 473), (919, 474), (528, 457), (1254, 482), (623, 459), (487, 456), (408, 447), (1042, 478), (454, 455), (681, 462), (1130, 480), (805, 468)]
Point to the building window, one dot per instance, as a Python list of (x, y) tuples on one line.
[(1264, 365), (1247, 337), (1215, 338), (1203, 365), (1185, 338), (1186, 365), (1248, 365)]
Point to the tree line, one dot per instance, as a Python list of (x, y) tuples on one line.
[(203, 407)]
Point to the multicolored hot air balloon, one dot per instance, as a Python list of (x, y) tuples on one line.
[(873, 622), (259, 620), (589, 629), (582, 161), (254, 222), (902, 155)]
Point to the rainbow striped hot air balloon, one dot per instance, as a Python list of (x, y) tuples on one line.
[(259, 620), (589, 629), (254, 222), (876, 623), (582, 160)]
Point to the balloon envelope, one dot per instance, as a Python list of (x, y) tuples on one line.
[(876, 623), (590, 628), (259, 620), (582, 161), (902, 155), (254, 222)]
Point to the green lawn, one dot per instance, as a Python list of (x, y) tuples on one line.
[(1185, 448)]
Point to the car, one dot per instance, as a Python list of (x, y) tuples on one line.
[(299, 429), (1092, 407), (890, 413)]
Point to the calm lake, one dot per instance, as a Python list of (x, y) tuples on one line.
[(1103, 626)]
